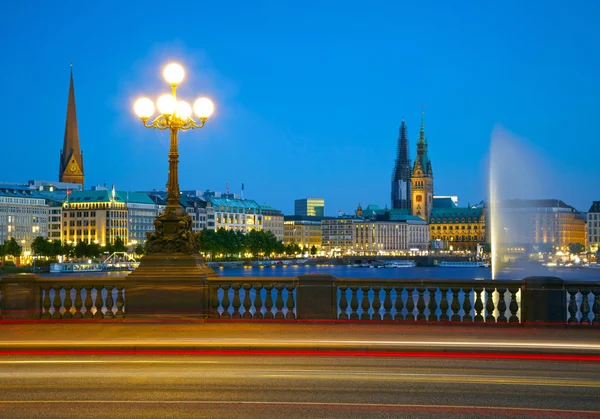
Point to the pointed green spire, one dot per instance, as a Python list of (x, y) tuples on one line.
[(422, 133)]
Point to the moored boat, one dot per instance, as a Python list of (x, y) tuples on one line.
[(463, 264)]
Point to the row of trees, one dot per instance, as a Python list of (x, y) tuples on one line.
[(10, 248), (52, 249), (229, 243)]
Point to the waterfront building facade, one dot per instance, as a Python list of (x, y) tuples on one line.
[(309, 207), (401, 183), (593, 227), (304, 231), (71, 158), (455, 228), (23, 215), (527, 222), (98, 216), (235, 214), (141, 212), (339, 235), (396, 236), (201, 211), (273, 221)]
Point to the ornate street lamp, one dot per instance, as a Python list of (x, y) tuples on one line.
[(174, 226)]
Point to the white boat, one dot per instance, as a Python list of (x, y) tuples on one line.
[(400, 264), (448, 264), (74, 267)]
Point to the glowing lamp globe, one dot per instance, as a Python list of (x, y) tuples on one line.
[(143, 107), (184, 110), (166, 104), (204, 108), (174, 74)]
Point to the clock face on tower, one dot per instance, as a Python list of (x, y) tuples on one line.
[(72, 168)]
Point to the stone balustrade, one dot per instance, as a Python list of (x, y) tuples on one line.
[(583, 303), (252, 298), (89, 298), (307, 297), (64, 298), (430, 300)]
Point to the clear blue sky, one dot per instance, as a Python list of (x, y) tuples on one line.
[(309, 95)]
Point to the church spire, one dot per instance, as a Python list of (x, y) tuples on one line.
[(422, 132), (401, 174), (71, 159)]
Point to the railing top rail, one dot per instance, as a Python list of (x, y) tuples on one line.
[(582, 284), (251, 280), (429, 281), (91, 280)]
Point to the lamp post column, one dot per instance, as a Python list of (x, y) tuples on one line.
[(173, 180)]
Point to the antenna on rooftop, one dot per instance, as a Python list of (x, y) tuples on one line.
[(227, 188)]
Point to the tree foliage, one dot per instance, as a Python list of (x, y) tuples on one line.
[(229, 243), (12, 248)]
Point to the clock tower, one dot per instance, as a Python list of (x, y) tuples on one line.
[(422, 178), (71, 158)]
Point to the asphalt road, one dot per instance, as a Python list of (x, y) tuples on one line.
[(290, 387)]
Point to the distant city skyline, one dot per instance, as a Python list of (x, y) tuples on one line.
[(314, 112)]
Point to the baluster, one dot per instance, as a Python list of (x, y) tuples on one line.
[(98, 304), (365, 303), (596, 307), (387, 303), (290, 302), (572, 305), (258, 302), (214, 301), (78, 302), (444, 304), (109, 302), (513, 306), (88, 304), (585, 307), (343, 302), (478, 304), (421, 303), (398, 304), (236, 303), (247, 302), (376, 303), (501, 305), (410, 304), (46, 304), (455, 305), (279, 302), (432, 304), (489, 305), (68, 303), (268, 302), (354, 303), (467, 305), (226, 302), (56, 303), (120, 301)]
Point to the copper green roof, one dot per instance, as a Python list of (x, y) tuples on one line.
[(106, 196), (454, 214), (443, 203)]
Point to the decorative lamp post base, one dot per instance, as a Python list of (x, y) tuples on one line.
[(170, 282)]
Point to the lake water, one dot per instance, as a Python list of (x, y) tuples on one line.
[(346, 271)]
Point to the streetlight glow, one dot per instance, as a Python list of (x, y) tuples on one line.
[(184, 110), (144, 108), (204, 107), (166, 104), (174, 74)]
